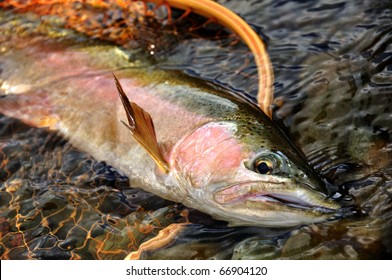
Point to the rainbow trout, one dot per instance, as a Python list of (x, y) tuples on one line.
[(189, 142)]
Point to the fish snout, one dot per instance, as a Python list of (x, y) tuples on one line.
[(290, 194)]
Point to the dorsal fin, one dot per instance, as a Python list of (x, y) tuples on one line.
[(142, 128)]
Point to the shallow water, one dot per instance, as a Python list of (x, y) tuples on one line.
[(333, 79)]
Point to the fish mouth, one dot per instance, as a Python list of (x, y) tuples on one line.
[(299, 196)]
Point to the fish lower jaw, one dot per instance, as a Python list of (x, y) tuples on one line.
[(257, 198), (274, 218), (290, 201)]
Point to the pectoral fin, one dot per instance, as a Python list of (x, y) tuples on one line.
[(141, 126)]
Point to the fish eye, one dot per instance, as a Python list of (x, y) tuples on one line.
[(268, 163), (263, 166)]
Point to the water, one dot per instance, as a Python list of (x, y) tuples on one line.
[(333, 80)]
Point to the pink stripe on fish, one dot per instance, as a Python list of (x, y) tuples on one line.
[(210, 152)]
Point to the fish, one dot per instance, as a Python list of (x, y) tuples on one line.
[(172, 135)]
